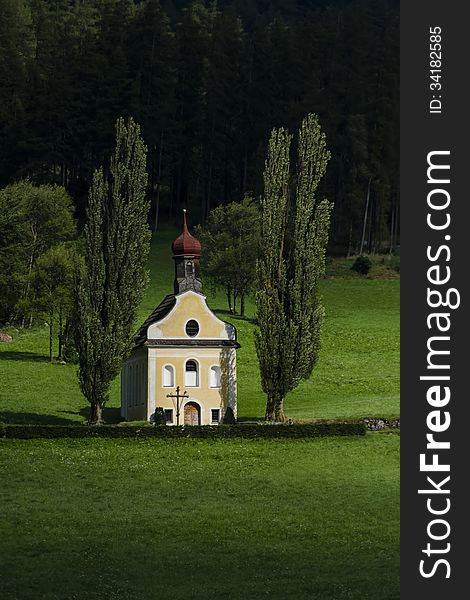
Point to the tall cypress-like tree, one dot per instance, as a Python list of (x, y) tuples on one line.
[(113, 278), (294, 233)]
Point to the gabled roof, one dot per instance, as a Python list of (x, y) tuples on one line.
[(165, 306), (162, 311)]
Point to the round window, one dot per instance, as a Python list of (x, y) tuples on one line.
[(192, 328)]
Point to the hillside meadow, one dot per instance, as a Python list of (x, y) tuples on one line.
[(135, 519), (357, 373), (171, 519)]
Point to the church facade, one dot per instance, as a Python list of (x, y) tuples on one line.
[(184, 358)]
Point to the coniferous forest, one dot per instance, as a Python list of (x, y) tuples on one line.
[(207, 80)]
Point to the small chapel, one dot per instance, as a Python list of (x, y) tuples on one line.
[(184, 356)]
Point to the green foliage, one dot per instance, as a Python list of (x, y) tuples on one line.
[(357, 373), (159, 416), (112, 280), (32, 220), (294, 232), (229, 417), (17, 53), (362, 265), (230, 248), (249, 431), (207, 81), (395, 263), (52, 282)]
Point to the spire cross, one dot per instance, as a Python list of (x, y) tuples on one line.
[(178, 401)]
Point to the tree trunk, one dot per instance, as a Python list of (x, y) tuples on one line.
[(229, 298), (51, 317), (365, 217), (96, 413), (392, 229), (275, 409), (242, 305), (349, 240), (159, 176), (179, 175), (61, 333), (234, 303), (26, 291), (209, 188)]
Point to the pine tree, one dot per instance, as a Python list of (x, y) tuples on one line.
[(112, 280), (294, 233)]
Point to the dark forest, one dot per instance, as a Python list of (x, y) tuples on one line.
[(207, 81)]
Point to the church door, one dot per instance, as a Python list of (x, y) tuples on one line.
[(192, 414)]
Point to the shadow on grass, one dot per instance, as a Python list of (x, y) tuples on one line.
[(223, 312), (23, 356), (25, 418), (250, 420), (111, 415)]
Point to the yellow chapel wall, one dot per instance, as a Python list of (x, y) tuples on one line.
[(190, 305), (206, 396)]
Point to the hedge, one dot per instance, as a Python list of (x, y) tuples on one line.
[(251, 431)]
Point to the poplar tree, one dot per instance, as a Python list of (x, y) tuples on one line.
[(112, 279), (294, 233)]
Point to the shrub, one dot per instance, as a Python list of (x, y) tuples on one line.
[(159, 416), (229, 417), (255, 431), (395, 263), (362, 265)]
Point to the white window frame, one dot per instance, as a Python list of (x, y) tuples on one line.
[(218, 376), (198, 373), (172, 377), (212, 419)]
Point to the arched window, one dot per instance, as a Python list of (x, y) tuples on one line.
[(189, 267), (168, 376), (191, 375), (214, 376)]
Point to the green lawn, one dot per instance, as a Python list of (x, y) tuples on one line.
[(237, 519), (169, 520), (357, 374)]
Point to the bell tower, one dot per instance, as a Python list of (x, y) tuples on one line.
[(186, 254)]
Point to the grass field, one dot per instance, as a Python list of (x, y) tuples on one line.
[(238, 519), (167, 520), (357, 374)]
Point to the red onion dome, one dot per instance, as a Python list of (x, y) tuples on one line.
[(186, 244)]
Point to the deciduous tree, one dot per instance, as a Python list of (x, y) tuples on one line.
[(32, 220), (113, 277), (51, 282), (230, 242), (294, 232)]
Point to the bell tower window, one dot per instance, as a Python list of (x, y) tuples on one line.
[(189, 268)]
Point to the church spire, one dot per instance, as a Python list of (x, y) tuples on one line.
[(186, 254)]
